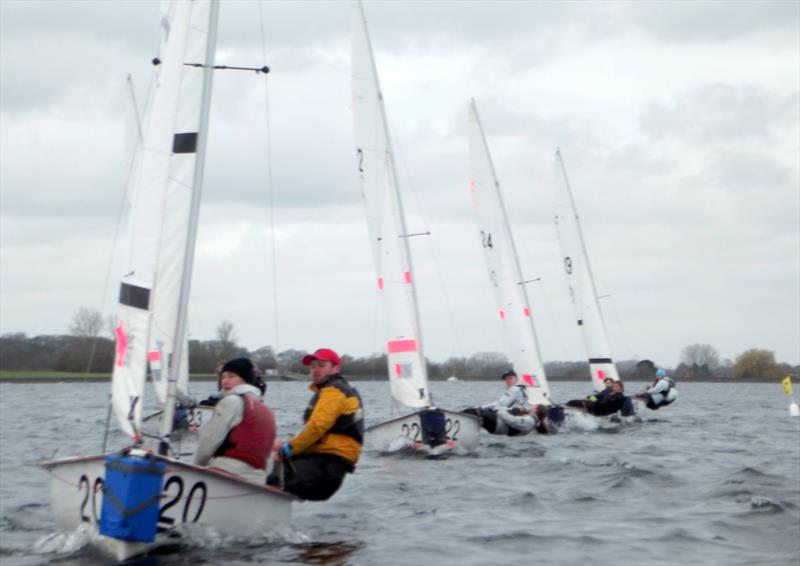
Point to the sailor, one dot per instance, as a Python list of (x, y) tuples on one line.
[(314, 463), (603, 404), (240, 434), (515, 397), (511, 414), (662, 393), (607, 382)]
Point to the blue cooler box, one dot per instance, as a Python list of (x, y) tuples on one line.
[(131, 493)]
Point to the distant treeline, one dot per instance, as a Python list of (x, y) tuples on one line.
[(70, 353)]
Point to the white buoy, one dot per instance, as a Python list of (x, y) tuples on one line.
[(794, 410)]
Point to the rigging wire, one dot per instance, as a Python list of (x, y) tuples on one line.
[(270, 190)]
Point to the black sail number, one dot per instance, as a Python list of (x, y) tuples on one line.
[(90, 498), (97, 488), (568, 264), (193, 504), (199, 486), (170, 503), (83, 485), (451, 428), (486, 239), (411, 432)]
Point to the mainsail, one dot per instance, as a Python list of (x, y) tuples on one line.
[(159, 225), (581, 282), (386, 226), (505, 274)]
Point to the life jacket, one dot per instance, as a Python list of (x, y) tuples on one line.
[(664, 394), (524, 390), (249, 441), (351, 424)]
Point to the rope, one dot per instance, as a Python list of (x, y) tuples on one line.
[(270, 191)]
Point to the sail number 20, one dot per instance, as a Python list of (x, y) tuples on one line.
[(192, 509)]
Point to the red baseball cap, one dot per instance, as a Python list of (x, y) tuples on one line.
[(324, 354)]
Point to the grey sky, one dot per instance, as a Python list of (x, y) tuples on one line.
[(679, 123)]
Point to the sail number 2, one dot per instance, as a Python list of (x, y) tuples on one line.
[(172, 494)]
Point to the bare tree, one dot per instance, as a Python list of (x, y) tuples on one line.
[(697, 355), (86, 322), (226, 341)]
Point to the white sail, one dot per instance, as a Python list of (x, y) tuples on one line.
[(580, 281), (386, 226), (505, 274), (159, 220)]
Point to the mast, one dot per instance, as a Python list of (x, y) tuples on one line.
[(197, 186)]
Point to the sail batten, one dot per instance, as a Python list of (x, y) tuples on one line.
[(580, 281), (503, 265)]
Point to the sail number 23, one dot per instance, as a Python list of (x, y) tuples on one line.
[(172, 496)]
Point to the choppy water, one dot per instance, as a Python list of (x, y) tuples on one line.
[(714, 479)]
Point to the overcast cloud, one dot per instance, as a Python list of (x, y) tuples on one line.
[(679, 123)]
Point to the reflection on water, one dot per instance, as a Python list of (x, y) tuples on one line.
[(329, 554)]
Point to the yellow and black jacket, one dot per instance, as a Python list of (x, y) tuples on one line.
[(334, 421)]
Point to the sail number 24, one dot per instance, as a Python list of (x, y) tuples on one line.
[(172, 494)]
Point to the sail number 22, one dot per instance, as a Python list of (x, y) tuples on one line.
[(172, 496), (451, 429)]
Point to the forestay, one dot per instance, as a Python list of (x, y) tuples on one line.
[(160, 199), (386, 226), (505, 274), (580, 281)]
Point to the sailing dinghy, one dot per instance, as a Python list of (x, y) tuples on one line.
[(431, 430), (139, 498), (502, 262), (580, 282)]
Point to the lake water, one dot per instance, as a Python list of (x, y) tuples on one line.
[(713, 479)]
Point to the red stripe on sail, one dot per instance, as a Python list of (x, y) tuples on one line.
[(527, 311), (408, 276), (528, 379), (122, 343), (400, 346), (601, 375), (397, 370), (154, 356), (502, 314), (380, 283)]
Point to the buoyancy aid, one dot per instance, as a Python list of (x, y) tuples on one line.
[(349, 424), (251, 440)]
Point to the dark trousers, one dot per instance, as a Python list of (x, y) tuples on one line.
[(315, 477)]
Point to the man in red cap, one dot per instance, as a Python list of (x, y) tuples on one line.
[(315, 462)]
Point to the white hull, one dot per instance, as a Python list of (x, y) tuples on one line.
[(462, 432), (190, 494)]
